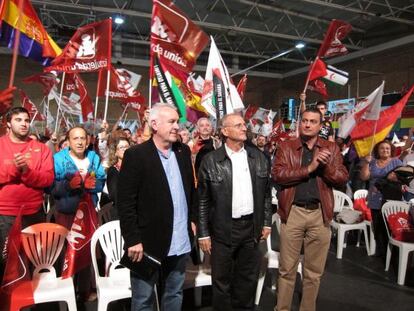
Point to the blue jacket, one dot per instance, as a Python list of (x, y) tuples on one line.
[(67, 199)]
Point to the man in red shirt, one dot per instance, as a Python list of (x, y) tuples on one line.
[(26, 168)]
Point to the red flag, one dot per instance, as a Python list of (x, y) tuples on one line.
[(250, 112), (332, 44), (28, 104), (319, 87), (88, 50), (78, 252), (174, 37), (317, 70), (74, 83), (136, 103), (119, 87), (241, 86), (48, 81), (16, 273)]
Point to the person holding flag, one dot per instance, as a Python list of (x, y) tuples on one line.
[(26, 169), (79, 174)]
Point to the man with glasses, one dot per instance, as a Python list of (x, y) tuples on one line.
[(234, 215)]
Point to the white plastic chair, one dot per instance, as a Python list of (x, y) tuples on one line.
[(116, 282), (362, 194), (272, 258), (42, 244), (197, 276), (389, 208), (341, 202)]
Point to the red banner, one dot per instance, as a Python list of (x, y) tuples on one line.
[(332, 44), (78, 253), (16, 273), (28, 104), (88, 50), (120, 87), (47, 80), (241, 86), (75, 84), (174, 37)]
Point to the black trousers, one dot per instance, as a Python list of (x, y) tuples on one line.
[(235, 269), (380, 232)]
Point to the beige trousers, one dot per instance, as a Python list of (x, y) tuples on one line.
[(302, 227)]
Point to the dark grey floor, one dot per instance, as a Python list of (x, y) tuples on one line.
[(355, 283)]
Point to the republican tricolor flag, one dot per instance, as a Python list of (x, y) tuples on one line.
[(35, 42)]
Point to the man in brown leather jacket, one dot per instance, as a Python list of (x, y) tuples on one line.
[(306, 169)]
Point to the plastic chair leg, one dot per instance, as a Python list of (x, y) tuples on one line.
[(259, 287), (102, 304), (340, 243), (359, 238), (388, 258), (372, 244), (367, 246), (71, 304), (402, 265)]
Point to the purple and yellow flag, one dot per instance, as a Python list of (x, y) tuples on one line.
[(35, 42)]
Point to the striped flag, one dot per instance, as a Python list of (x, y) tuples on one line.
[(369, 132)]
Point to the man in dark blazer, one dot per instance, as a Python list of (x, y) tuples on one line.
[(234, 215), (155, 200)]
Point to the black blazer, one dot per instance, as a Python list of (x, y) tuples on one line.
[(144, 200)]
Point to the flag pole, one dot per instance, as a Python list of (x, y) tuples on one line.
[(125, 109), (310, 70), (373, 137), (126, 116), (97, 97), (60, 100), (108, 79), (34, 117), (16, 44), (109, 71)]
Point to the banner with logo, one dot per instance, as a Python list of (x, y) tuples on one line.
[(78, 251), (174, 37), (88, 50)]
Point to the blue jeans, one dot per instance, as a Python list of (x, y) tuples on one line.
[(172, 281)]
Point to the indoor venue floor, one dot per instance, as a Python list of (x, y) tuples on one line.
[(355, 283)]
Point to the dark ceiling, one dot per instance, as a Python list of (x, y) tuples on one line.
[(246, 32)]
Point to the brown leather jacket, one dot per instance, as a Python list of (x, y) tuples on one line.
[(287, 172)]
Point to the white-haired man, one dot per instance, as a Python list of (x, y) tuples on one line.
[(205, 142), (155, 200)]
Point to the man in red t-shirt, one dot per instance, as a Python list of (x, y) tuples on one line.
[(26, 168)]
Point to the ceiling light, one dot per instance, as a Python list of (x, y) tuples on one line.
[(300, 45), (119, 20)]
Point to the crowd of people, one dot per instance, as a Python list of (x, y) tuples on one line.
[(174, 191)]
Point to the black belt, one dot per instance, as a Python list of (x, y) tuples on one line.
[(244, 217), (310, 206)]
